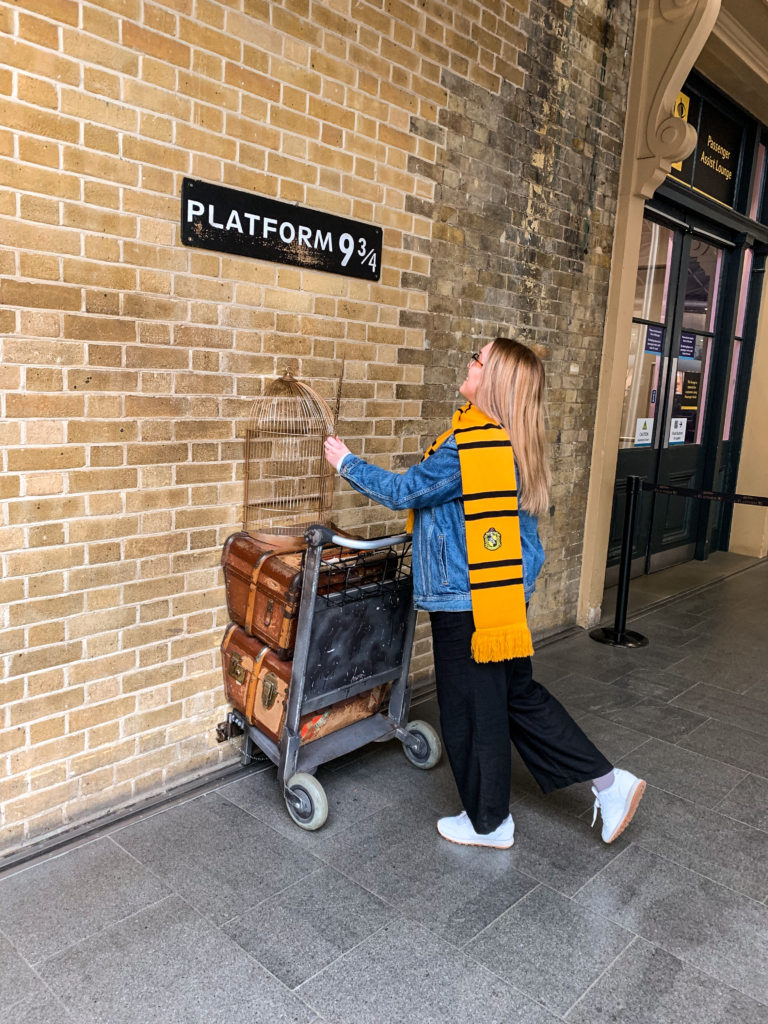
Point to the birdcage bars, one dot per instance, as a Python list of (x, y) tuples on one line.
[(288, 483)]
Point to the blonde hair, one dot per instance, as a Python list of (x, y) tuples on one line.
[(511, 391)]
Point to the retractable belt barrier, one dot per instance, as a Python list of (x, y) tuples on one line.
[(689, 492), (619, 635)]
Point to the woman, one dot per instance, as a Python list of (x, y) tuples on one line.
[(476, 556)]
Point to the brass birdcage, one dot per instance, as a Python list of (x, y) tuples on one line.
[(288, 482)]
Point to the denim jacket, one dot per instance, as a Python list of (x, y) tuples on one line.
[(433, 489)]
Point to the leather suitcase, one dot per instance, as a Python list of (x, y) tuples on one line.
[(256, 683), (263, 585)]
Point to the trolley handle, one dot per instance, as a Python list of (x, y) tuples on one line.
[(317, 536)]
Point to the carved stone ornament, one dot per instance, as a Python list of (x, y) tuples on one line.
[(670, 35)]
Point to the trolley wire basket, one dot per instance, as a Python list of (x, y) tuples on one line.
[(363, 575)]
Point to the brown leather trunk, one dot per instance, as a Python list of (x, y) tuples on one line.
[(263, 588), (256, 683), (263, 585)]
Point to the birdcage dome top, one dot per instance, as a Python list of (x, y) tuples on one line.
[(290, 407), (288, 482)]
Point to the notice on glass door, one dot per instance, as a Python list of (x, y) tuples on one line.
[(677, 431), (654, 340), (643, 433), (687, 345)]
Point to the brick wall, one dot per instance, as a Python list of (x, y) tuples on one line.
[(482, 137)]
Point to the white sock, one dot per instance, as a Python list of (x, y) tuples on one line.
[(604, 782)]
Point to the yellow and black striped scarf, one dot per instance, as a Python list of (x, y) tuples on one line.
[(493, 535)]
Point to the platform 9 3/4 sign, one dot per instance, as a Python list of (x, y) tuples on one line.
[(244, 224)]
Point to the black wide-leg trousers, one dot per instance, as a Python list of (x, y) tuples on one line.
[(483, 706)]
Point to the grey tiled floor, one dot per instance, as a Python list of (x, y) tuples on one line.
[(217, 907)]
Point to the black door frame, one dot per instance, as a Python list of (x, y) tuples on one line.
[(711, 530)]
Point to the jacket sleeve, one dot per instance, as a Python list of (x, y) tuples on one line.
[(432, 482)]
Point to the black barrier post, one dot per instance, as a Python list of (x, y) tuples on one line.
[(620, 636)]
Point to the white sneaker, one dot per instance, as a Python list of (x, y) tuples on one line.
[(618, 803), (459, 830)]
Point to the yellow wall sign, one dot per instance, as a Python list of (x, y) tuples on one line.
[(711, 168), (682, 105)]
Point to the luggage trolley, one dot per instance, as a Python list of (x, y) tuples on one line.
[(352, 635)]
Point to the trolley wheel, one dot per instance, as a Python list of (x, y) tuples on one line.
[(306, 801), (428, 750)]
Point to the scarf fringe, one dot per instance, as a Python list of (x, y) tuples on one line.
[(502, 642)]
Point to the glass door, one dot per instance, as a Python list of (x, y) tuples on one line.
[(646, 379), (681, 450), (668, 390)]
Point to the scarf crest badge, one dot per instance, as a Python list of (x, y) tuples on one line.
[(492, 539)]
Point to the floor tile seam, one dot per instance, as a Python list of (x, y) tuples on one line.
[(572, 815), (262, 967), (728, 694), (662, 944), (697, 968), (618, 762), (648, 739), (35, 996), (673, 744), (647, 702), (701, 806), (498, 917), (260, 903), (172, 891), (694, 684), (740, 821), (694, 590), (714, 717), (594, 912), (60, 842), (646, 736), (748, 774), (261, 821), (391, 904), (731, 764), (371, 892), (107, 927), (562, 895), (633, 941), (30, 964), (341, 956), (36, 860), (693, 731), (507, 983), (701, 874), (684, 959), (32, 967), (608, 863), (163, 808)]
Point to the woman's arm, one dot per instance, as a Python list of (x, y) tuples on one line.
[(432, 482)]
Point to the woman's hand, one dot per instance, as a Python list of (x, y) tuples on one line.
[(335, 450)]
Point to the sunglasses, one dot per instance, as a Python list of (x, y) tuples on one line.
[(474, 357)]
